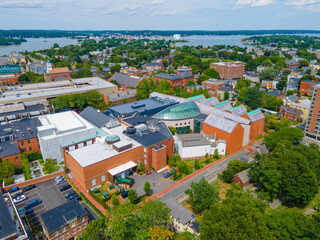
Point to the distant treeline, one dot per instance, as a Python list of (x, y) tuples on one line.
[(66, 33), (10, 41)]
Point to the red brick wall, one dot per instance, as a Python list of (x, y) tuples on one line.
[(8, 80), (54, 76), (13, 159), (314, 113), (26, 144), (307, 87), (159, 158), (169, 143), (229, 71), (256, 128), (234, 139), (236, 179)]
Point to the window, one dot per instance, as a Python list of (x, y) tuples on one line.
[(73, 223), (29, 141), (93, 182), (22, 143), (103, 178), (30, 148), (61, 238), (17, 159), (145, 150), (23, 150), (67, 235), (79, 228), (84, 226), (145, 161), (55, 233), (73, 231)]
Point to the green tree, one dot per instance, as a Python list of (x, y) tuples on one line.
[(173, 130), (253, 97), (226, 96), (55, 45), (282, 84), (183, 167), (234, 167), (50, 166), (115, 68), (290, 224), (287, 135), (133, 196), (268, 73), (216, 154), (239, 216), (211, 72), (174, 160), (24, 78), (95, 230), (147, 188), (141, 167), (115, 201), (202, 195), (7, 169)]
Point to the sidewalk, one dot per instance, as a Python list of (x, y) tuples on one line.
[(168, 189), (87, 195)]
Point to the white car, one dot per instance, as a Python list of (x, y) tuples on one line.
[(62, 180), (20, 199), (56, 179)]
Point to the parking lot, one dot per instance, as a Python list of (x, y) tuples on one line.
[(51, 197)]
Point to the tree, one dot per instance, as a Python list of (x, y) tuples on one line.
[(160, 233), (141, 167), (281, 85), (291, 224), (202, 195), (115, 201), (190, 83), (286, 72), (50, 166), (115, 68), (55, 45), (287, 135), (253, 97), (147, 188), (133, 196), (239, 216), (268, 73), (226, 96), (183, 167), (174, 160), (211, 72), (24, 78), (234, 167), (173, 130), (95, 230), (216, 154), (7, 169)]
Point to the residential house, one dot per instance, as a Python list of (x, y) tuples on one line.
[(213, 84), (307, 87), (277, 93), (304, 105), (125, 81), (223, 90), (242, 178), (179, 80), (57, 74), (291, 113)]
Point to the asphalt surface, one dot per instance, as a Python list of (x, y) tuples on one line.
[(180, 189), (51, 197)]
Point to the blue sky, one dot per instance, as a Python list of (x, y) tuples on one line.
[(159, 14)]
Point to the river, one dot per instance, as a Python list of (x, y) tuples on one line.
[(34, 44)]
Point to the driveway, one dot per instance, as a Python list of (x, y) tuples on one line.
[(156, 180)]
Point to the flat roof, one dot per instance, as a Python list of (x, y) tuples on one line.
[(122, 168), (193, 139), (46, 90), (6, 222)]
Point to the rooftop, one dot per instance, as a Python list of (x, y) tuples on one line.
[(210, 101), (193, 139), (26, 128), (305, 103), (179, 212), (223, 106), (59, 70), (255, 115), (7, 228), (221, 123), (179, 111), (60, 216), (8, 148), (126, 80), (173, 77), (95, 116), (239, 111)]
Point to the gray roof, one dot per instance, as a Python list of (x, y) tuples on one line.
[(223, 106), (179, 212), (26, 128), (239, 111), (130, 93), (19, 108), (59, 217), (292, 98), (6, 222), (8, 148), (173, 77), (95, 116), (244, 175), (126, 80), (291, 110), (226, 89), (210, 101), (193, 139), (221, 123), (275, 93), (6, 130), (255, 115)]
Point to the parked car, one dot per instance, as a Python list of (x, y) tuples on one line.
[(124, 194), (62, 180), (65, 187), (25, 210), (69, 194), (16, 195), (74, 196), (58, 178), (34, 203), (20, 199), (28, 188), (14, 189)]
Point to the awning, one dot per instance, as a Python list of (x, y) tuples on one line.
[(122, 168)]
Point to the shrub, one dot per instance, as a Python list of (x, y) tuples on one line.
[(41, 161), (133, 196), (8, 181), (147, 188), (18, 169), (34, 156), (26, 167), (174, 160), (197, 164), (216, 154), (115, 201), (183, 167), (141, 167), (50, 166)]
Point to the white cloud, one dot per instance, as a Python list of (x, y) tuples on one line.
[(21, 3), (157, 2), (309, 5), (169, 12), (253, 3)]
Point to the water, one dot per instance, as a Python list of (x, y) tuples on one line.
[(210, 40), (34, 44)]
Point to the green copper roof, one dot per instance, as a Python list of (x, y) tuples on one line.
[(254, 111), (179, 111), (195, 97), (232, 109), (112, 138), (220, 104)]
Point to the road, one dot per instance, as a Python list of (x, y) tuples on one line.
[(179, 190)]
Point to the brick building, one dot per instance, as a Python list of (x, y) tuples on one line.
[(242, 178), (57, 74), (312, 125), (257, 123), (229, 70), (307, 87), (292, 64), (291, 113), (179, 80), (277, 93), (9, 74), (213, 84), (139, 140), (125, 81), (66, 221)]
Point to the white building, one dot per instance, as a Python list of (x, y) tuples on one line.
[(176, 37), (197, 145), (63, 129)]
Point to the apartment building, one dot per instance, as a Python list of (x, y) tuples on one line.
[(228, 70), (312, 128)]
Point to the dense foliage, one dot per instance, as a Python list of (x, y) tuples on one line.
[(234, 167), (11, 41)]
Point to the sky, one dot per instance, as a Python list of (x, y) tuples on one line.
[(160, 14)]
